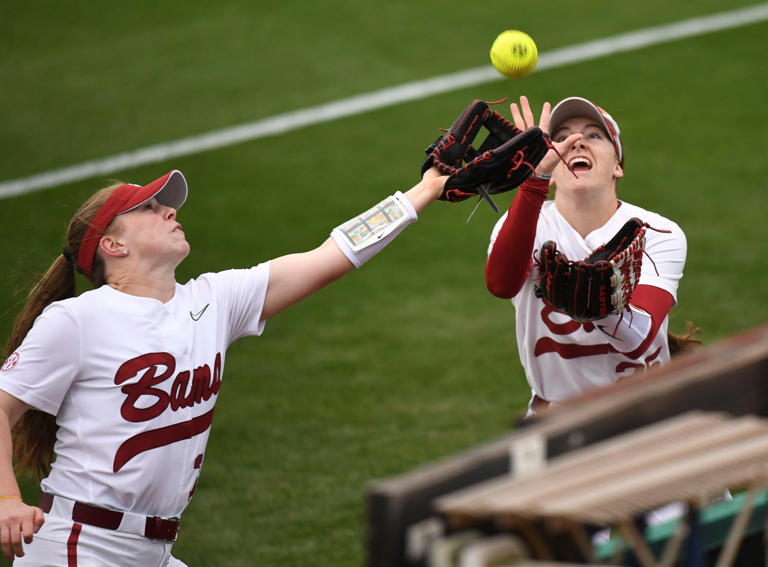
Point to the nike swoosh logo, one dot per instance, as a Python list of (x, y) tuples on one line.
[(196, 316), (604, 330)]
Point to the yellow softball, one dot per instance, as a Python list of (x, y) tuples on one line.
[(514, 54)]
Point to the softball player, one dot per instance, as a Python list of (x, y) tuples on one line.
[(563, 358), (120, 383)]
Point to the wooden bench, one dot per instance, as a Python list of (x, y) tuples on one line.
[(693, 458)]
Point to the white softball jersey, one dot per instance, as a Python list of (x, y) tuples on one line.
[(563, 358), (133, 383)]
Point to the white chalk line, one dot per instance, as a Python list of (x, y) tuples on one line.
[(359, 104)]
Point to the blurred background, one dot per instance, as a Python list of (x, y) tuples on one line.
[(410, 358)]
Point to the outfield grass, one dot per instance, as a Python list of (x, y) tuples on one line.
[(409, 358)]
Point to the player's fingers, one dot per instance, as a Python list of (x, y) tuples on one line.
[(568, 142), (562, 148), (527, 112), (546, 111), (434, 181), (433, 173), (38, 520), (5, 541), (28, 528), (18, 550), (517, 117), (552, 159)]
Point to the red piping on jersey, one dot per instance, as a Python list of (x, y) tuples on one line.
[(567, 350), (653, 300)]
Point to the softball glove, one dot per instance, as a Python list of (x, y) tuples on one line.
[(506, 158), (601, 284)]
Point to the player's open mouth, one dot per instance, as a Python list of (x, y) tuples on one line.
[(580, 164)]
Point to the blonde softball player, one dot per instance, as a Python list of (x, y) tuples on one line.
[(120, 383)]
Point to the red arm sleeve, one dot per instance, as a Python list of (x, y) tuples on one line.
[(657, 303), (509, 262)]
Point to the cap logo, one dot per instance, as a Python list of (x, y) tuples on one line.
[(608, 121)]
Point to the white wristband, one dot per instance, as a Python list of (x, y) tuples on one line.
[(365, 235)]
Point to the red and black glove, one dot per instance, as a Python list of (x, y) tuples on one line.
[(506, 158), (601, 284)]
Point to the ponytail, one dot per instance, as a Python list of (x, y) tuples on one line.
[(34, 435), (685, 342), (57, 283)]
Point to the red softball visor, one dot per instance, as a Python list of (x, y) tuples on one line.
[(169, 190), (580, 107)]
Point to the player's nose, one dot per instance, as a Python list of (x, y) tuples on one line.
[(169, 213), (577, 146)]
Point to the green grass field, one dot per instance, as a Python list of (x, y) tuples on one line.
[(408, 359)]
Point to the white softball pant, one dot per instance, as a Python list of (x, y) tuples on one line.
[(63, 542)]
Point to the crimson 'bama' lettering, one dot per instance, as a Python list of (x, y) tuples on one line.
[(155, 368), (182, 393)]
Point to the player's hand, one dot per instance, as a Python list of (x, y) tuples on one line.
[(434, 181), (18, 520), (524, 119)]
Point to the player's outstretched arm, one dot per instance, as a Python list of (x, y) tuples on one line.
[(296, 276), (17, 520)]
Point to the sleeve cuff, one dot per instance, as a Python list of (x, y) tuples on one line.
[(536, 184)]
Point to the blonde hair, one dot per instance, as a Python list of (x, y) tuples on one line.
[(34, 434)]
